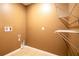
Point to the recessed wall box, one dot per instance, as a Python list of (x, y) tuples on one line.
[(7, 28)]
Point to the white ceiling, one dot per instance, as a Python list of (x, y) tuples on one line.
[(26, 4)]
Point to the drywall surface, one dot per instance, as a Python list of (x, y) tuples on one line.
[(41, 26), (11, 15)]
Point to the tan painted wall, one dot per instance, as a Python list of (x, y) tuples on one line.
[(62, 9), (11, 15), (74, 15), (44, 39), (74, 48), (35, 37), (74, 39)]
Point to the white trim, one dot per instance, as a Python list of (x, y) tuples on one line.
[(13, 52), (68, 31), (41, 51)]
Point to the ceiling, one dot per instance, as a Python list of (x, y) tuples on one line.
[(26, 4)]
